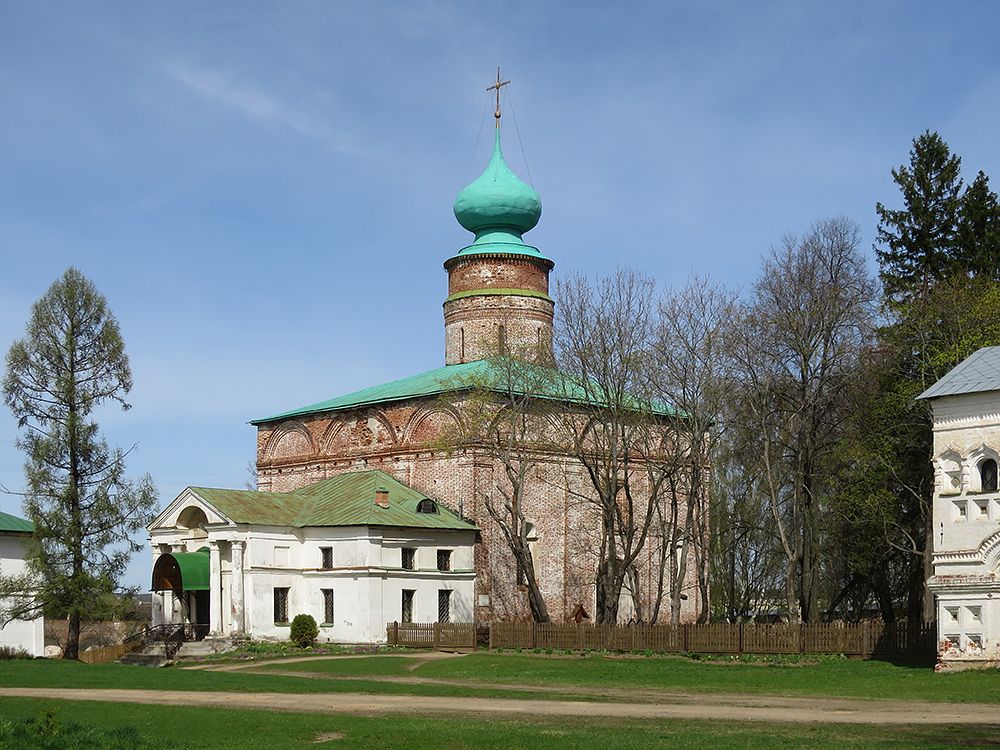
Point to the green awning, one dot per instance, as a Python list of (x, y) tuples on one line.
[(182, 571)]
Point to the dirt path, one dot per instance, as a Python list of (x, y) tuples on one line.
[(724, 707), (418, 659)]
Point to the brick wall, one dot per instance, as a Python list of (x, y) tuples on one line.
[(492, 272), (404, 440)]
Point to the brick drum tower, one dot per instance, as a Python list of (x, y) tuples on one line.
[(498, 287)]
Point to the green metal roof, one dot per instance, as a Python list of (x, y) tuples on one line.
[(191, 567), (447, 379), (433, 382), (344, 500), (14, 524), (194, 569)]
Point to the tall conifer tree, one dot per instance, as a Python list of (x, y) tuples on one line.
[(71, 360), (916, 244), (978, 231)]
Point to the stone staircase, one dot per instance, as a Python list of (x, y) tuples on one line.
[(154, 655), (166, 644)]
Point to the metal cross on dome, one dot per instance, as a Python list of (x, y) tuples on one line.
[(497, 86)]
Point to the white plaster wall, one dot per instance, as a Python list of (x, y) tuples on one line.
[(367, 577), (966, 525), (22, 634)]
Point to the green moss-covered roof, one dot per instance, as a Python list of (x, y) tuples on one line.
[(14, 524), (433, 382), (344, 500), (448, 379)]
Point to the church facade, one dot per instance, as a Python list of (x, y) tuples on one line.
[(966, 515), (498, 300)]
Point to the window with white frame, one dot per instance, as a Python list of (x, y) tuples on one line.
[(327, 606), (281, 605), (444, 605), (406, 608), (408, 558)]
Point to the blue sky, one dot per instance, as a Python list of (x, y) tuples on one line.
[(263, 191)]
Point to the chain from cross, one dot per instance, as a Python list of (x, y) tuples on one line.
[(497, 86)]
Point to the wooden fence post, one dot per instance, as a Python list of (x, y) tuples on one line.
[(395, 632), (534, 636), (437, 633), (579, 635), (489, 632), (864, 639), (686, 626), (740, 650), (802, 637)]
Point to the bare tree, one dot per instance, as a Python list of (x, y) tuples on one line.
[(505, 417), (603, 349), (691, 348), (801, 339)]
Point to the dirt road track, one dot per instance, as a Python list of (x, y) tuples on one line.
[(714, 707)]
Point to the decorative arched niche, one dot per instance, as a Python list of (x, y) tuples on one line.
[(984, 462), (289, 439), (948, 472), (359, 433), (194, 520), (431, 425)]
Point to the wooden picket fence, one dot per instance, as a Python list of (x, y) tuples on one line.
[(864, 639), (438, 635), (104, 655)]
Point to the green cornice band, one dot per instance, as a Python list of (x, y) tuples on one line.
[(498, 293)]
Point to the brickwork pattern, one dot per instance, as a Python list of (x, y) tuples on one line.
[(404, 440), (472, 326), (489, 272)]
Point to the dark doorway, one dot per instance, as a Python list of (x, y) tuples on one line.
[(201, 613)]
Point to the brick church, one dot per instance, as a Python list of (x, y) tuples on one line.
[(497, 299)]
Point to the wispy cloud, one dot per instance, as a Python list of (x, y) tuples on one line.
[(262, 107)]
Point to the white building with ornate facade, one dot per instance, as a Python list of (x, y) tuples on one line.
[(966, 516), (355, 551)]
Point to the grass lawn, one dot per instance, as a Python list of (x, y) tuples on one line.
[(64, 674), (172, 728), (831, 677)]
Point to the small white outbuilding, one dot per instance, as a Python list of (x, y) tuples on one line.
[(356, 551), (28, 635), (966, 516)]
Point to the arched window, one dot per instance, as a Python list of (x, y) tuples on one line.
[(194, 519), (427, 506), (988, 475)]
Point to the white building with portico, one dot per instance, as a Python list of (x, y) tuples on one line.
[(355, 551), (966, 517)]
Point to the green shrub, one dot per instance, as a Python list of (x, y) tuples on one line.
[(304, 630)]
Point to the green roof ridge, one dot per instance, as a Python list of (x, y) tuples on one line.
[(429, 383), (16, 524), (346, 499), (447, 379)]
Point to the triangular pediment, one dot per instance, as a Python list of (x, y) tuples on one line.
[(189, 497)]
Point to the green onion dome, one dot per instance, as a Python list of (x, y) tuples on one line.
[(498, 207)]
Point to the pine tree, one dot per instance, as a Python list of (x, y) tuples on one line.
[(978, 231), (916, 245), (85, 510)]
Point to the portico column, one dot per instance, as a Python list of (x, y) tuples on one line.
[(215, 589), (236, 594)]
